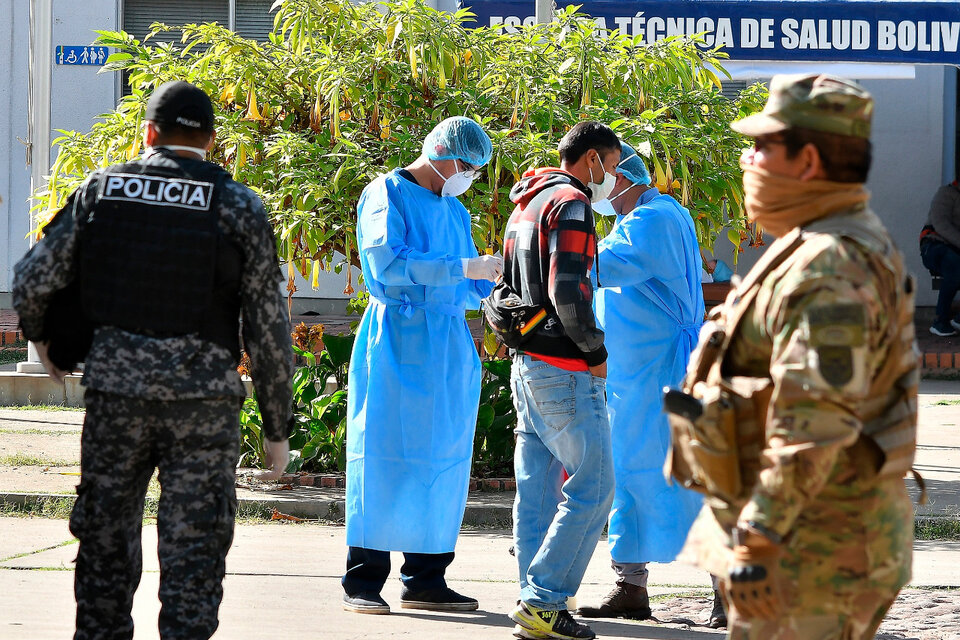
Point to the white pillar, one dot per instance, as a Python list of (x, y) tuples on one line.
[(41, 63), (544, 11)]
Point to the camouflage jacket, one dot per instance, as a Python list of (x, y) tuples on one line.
[(182, 367), (819, 328)]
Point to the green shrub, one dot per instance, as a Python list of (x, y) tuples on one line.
[(342, 92)]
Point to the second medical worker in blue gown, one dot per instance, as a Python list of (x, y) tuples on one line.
[(651, 309), (415, 374)]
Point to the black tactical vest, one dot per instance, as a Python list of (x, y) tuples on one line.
[(152, 258)]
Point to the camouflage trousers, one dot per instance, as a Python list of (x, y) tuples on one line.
[(860, 623), (194, 444)]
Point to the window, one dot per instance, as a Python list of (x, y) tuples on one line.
[(732, 88), (250, 18)]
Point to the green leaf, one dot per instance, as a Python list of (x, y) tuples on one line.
[(339, 348), (485, 416)]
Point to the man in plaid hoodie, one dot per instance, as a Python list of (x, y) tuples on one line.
[(558, 381)]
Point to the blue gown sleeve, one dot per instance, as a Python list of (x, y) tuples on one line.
[(382, 233), (479, 289), (642, 246)]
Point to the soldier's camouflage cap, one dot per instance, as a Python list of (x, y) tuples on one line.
[(811, 101)]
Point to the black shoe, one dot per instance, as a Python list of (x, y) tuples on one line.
[(625, 601), (539, 623), (718, 617), (943, 329), (442, 599), (366, 602), (955, 323)]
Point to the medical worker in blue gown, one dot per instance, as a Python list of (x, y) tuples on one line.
[(651, 308), (415, 374)]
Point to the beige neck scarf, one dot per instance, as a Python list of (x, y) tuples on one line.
[(780, 203)]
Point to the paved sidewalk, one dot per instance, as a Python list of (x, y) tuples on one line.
[(283, 580), (55, 436)]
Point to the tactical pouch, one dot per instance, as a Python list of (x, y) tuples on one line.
[(713, 452)]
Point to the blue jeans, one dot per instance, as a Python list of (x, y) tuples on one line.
[(561, 424)]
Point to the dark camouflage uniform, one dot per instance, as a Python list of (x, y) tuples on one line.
[(167, 403)]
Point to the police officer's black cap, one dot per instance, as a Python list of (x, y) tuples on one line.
[(181, 103)]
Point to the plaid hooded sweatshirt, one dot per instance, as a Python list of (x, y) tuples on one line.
[(549, 247)]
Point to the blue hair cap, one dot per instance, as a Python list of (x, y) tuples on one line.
[(458, 138), (632, 165)]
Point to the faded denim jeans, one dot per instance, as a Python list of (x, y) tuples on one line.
[(561, 424)]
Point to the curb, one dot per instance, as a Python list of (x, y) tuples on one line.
[(337, 481), (316, 507), (940, 363)]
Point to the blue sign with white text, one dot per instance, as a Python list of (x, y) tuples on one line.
[(95, 56), (836, 31)]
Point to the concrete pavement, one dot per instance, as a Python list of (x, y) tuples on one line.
[(283, 579)]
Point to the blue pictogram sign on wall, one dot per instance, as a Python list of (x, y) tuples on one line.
[(90, 56)]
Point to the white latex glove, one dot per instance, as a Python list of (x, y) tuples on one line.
[(483, 267), (276, 456), (52, 371)]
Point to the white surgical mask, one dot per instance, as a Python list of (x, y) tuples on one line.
[(457, 184), (604, 208), (600, 191)]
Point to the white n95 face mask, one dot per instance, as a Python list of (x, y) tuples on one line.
[(457, 184), (600, 191)]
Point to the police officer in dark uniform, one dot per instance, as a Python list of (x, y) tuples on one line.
[(168, 252)]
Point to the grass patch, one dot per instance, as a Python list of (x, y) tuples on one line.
[(42, 407), (42, 507), (30, 553), (23, 460), (940, 375), (946, 403), (686, 593), (42, 432), (12, 356), (941, 528)]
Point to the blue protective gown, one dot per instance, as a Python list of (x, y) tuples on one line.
[(414, 383), (651, 309)]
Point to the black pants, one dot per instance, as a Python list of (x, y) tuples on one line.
[(367, 570), (944, 259)]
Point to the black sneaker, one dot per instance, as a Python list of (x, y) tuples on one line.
[(366, 602), (539, 623), (442, 599), (955, 323), (718, 617), (943, 329), (625, 601)]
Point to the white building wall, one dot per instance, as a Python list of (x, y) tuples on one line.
[(79, 93), (909, 147), (14, 173)]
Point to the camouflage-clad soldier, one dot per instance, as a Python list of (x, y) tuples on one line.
[(799, 420), (168, 253)]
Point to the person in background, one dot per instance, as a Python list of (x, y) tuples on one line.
[(940, 252), (415, 374), (651, 308), (558, 381)]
